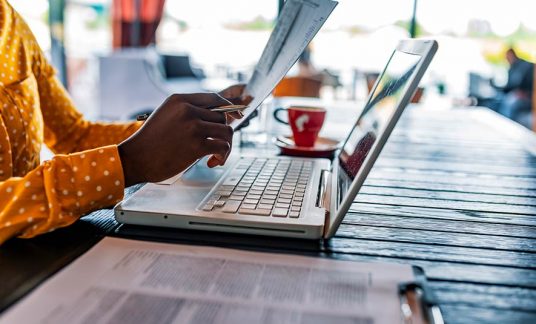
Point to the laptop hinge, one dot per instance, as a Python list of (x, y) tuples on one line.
[(324, 190)]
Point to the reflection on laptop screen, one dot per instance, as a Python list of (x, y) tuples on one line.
[(375, 116)]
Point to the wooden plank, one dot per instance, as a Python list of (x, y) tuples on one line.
[(423, 192), (446, 140), (488, 296), (442, 239), (461, 314), (399, 246), (480, 168), (450, 187), (442, 225), (432, 150), (458, 314), (406, 152), (455, 271), (461, 179), (439, 213), (444, 204)]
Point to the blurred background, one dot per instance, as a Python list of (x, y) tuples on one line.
[(123, 56)]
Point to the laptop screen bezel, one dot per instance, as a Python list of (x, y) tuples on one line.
[(424, 48)]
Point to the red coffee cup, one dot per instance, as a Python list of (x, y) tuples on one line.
[(305, 122)]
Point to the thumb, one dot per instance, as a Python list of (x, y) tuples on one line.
[(203, 100)]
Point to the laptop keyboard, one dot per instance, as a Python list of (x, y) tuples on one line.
[(263, 187)]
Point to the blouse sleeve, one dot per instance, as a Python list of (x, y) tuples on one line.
[(59, 191), (66, 130)]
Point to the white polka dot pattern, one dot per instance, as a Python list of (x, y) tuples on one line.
[(35, 109)]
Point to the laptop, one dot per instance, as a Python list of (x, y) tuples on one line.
[(286, 196)]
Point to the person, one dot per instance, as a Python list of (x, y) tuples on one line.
[(516, 96), (94, 161)]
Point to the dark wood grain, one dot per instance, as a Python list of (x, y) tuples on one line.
[(460, 179), (449, 214), (478, 295), (451, 193), (440, 225), (447, 204), (450, 196)]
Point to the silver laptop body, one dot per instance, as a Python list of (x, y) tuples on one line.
[(313, 195)]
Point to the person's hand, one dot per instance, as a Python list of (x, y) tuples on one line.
[(176, 134), (235, 94)]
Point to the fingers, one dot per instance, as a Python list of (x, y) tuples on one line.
[(207, 115), (233, 93), (217, 131), (216, 147), (214, 161), (202, 100), (233, 115), (220, 133)]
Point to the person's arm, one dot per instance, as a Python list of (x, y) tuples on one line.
[(66, 130), (59, 191)]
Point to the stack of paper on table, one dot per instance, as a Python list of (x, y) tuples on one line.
[(126, 281)]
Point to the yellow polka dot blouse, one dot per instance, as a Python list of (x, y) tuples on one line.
[(35, 109)]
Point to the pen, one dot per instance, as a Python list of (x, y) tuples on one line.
[(226, 109)]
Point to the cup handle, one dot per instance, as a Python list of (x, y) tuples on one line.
[(276, 117)]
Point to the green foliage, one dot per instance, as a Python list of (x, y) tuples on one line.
[(258, 23), (420, 31)]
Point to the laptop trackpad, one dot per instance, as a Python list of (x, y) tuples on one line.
[(201, 175)]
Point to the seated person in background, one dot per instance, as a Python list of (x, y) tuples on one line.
[(516, 98), (91, 168)]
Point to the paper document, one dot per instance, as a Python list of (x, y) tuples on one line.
[(136, 282), (297, 24)]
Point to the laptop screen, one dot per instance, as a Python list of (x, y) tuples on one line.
[(379, 109)]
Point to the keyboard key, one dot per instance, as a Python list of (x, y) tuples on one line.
[(298, 199), (256, 212), (224, 193), (208, 207), (251, 201), (282, 205), (295, 208), (219, 203), (267, 201), (236, 197), (248, 206), (232, 180), (231, 206), (265, 206), (283, 200), (294, 214), (252, 196), (286, 196), (269, 196), (280, 212)]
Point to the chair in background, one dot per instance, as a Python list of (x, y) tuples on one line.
[(298, 87), (135, 80)]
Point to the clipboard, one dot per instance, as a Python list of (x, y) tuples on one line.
[(417, 301)]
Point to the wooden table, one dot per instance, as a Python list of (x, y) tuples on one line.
[(454, 192)]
